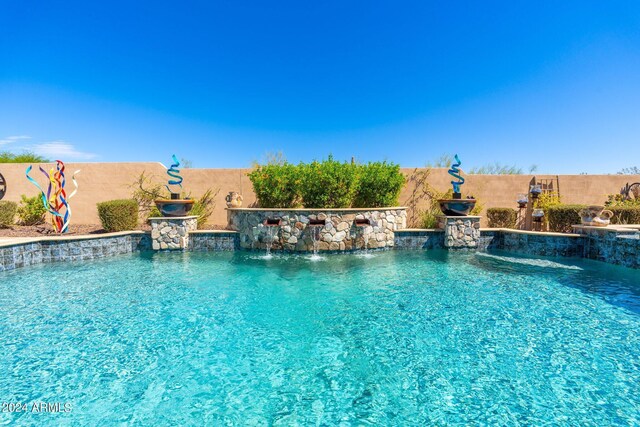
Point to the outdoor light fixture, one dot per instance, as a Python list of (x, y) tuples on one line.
[(535, 191), (522, 200)]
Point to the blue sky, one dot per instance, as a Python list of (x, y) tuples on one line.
[(221, 83)]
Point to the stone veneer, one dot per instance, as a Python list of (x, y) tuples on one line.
[(171, 232), (337, 232), (460, 231)]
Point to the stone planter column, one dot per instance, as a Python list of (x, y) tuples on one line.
[(172, 232), (460, 231)]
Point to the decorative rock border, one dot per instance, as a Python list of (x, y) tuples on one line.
[(336, 229)]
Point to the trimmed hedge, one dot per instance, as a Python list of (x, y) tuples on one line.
[(7, 213), (276, 185), (625, 214), (502, 217), (379, 185), (118, 215), (328, 184), (562, 217)]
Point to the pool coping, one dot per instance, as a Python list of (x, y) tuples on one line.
[(13, 241)]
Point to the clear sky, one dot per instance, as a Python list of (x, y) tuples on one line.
[(552, 83)]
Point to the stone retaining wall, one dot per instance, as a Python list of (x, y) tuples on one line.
[(337, 229)]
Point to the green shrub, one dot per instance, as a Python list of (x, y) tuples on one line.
[(618, 200), (276, 185), (203, 207), (118, 215), (380, 185), (31, 210), (502, 217), (328, 184), (625, 214), (429, 218), (7, 213), (562, 217)]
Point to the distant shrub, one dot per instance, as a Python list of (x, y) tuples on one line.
[(276, 185), (502, 217), (625, 214), (7, 213), (380, 185), (562, 217), (25, 157), (118, 215), (31, 210), (328, 184)]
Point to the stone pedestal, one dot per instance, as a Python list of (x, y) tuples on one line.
[(172, 233), (460, 231)]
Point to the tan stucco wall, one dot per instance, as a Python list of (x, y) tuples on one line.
[(106, 181)]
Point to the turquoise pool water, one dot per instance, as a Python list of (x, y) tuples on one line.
[(400, 338)]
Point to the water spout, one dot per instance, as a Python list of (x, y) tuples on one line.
[(364, 228), (269, 241), (272, 225), (315, 225)]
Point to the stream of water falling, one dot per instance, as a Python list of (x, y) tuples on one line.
[(270, 230), (315, 236)]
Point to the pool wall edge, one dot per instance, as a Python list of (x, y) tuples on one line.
[(610, 246)]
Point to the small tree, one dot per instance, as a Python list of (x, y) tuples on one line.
[(145, 191)]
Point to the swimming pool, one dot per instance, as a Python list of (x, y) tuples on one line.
[(400, 338)]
